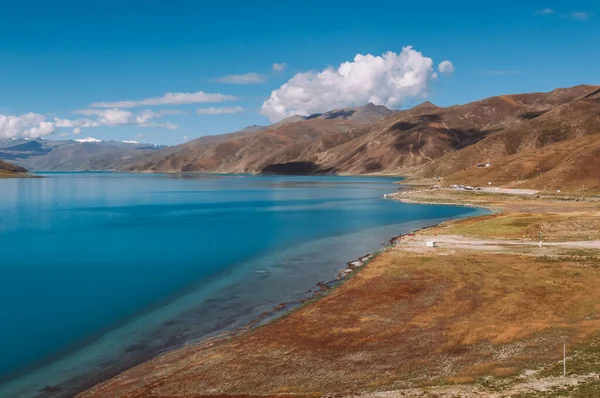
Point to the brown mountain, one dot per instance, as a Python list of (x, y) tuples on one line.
[(426, 140), (10, 170), (569, 165), (253, 151), (287, 145), (573, 114)]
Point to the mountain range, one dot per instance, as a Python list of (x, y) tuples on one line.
[(70, 155), (529, 140)]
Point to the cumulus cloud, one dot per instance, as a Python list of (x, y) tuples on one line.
[(76, 131), (219, 111), (29, 125), (246, 78), (446, 68), (279, 67), (168, 99), (388, 80)]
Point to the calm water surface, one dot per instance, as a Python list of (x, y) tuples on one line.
[(101, 270)]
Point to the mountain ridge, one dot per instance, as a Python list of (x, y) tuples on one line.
[(422, 142)]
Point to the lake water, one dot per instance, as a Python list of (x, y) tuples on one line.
[(99, 271)]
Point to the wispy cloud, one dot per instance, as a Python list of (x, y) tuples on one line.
[(500, 72), (114, 117), (546, 11), (279, 67), (580, 15), (168, 99), (171, 112), (246, 78), (219, 111)]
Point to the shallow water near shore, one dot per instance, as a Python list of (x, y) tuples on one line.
[(101, 271)]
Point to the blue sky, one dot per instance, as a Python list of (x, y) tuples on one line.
[(59, 58)]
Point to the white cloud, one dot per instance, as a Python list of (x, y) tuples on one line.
[(69, 123), (581, 16), (387, 80), (112, 117), (185, 137), (34, 125), (119, 117), (546, 11), (168, 99), (139, 135), (219, 111), (279, 67), (246, 78), (168, 125), (63, 134), (29, 125), (446, 68), (145, 116)]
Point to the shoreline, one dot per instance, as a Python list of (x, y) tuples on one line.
[(278, 312), (50, 377), (442, 260), (391, 175), (284, 309)]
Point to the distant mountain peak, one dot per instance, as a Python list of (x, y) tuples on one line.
[(88, 139), (251, 128), (426, 104)]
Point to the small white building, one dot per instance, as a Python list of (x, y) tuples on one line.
[(431, 243)]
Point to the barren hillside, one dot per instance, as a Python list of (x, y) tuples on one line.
[(7, 169), (426, 140)]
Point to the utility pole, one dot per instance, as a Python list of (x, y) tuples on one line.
[(564, 358)]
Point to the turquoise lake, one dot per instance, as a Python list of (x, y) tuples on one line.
[(100, 271)]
